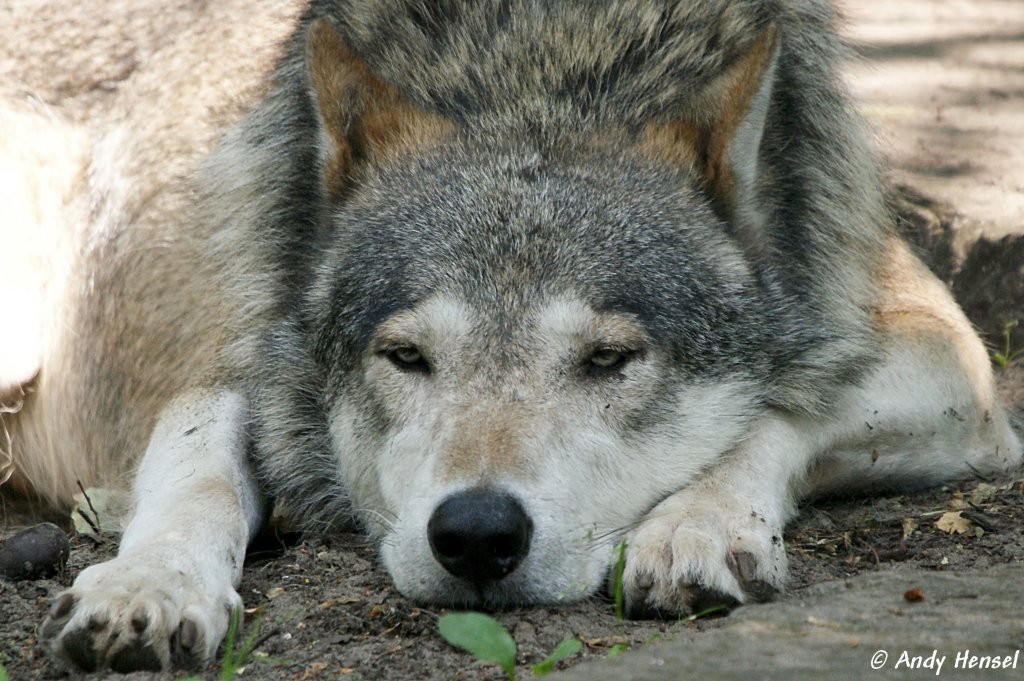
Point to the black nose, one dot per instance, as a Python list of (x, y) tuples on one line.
[(480, 534)]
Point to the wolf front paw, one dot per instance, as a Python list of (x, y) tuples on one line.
[(684, 559), (129, 617)]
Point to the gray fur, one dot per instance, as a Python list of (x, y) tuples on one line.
[(529, 84)]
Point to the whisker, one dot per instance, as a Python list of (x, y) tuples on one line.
[(385, 518)]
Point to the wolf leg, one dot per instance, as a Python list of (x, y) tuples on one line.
[(168, 595), (926, 412), (929, 412)]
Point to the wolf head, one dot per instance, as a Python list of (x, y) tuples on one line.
[(521, 329)]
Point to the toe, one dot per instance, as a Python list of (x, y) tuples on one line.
[(703, 599), (79, 648), (188, 645), (136, 656)]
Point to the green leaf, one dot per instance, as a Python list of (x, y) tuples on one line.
[(3, 673), (569, 646), (617, 648), (482, 636)]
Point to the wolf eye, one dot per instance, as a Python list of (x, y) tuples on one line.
[(604, 359), (407, 357)]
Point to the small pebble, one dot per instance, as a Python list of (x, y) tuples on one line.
[(37, 552)]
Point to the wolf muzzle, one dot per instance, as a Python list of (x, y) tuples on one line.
[(480, 534)]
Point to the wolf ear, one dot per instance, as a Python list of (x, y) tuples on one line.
[(362, 118), (721, 134)]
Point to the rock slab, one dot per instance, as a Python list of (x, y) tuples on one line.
[(861, 628)]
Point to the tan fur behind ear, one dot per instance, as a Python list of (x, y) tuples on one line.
[(333, 73), (703, 143), (676, 143), (733, 95), (364, 118)]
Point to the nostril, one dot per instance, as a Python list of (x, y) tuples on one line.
[(505, 546), (448, 545), (480, 534)]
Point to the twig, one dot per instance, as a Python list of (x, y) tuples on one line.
[(85, 516), (95, 526), (878, 561), (978, 474), (978, 518), (265, 637)]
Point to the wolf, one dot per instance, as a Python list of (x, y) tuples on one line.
[(515, 285)]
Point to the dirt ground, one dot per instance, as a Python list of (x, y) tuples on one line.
[(325, 609), (944, 84)]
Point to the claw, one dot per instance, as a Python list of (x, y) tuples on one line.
[(98, 621), (140, 620), (744, 566), (62, 606), (188, 635)]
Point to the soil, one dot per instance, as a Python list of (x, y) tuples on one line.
[(324, 608)]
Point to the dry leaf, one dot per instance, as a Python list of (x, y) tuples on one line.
[(913, 595), (104, 508), (604, 641), (983, 492), (313, 671), (909, 525), (952, 521)]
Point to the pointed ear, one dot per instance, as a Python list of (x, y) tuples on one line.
[(362, 118), (720, 135)]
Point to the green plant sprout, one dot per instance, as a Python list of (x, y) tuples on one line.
[(486, 639), (1003, 359), (620, 568), (714, 609), (235, 658)]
